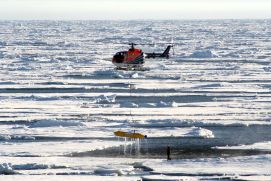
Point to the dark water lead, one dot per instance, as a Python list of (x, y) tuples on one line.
[(192, 147)]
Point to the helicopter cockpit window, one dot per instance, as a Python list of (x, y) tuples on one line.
[(120, 54)]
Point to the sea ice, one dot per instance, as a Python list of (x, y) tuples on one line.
[(203, 54)]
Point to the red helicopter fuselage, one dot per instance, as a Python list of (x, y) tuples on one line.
[(131, 57)]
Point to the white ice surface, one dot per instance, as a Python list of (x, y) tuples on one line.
[(60, 93), (56, 148), (256, 146), (68, 178), (251, 165), (246, 168)]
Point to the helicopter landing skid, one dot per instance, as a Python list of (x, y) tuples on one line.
[(133, 68)]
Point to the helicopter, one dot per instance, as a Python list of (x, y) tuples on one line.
[(133, 59)]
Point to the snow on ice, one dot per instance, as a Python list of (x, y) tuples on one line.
[(61, 100)]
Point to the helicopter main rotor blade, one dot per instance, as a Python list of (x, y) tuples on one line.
[(128, 43)]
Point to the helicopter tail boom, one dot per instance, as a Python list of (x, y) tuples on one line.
[(165, 54)]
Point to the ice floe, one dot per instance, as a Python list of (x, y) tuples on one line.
[(105, 99), (56, 123), (111, 171), (162, 177), (233, 167), (177, 132), (203, 54), (6, 169), (256, 146)]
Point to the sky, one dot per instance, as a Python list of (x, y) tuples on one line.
[(133, 9)]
